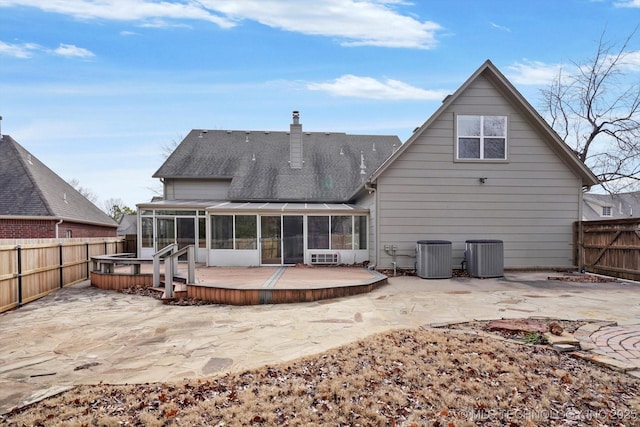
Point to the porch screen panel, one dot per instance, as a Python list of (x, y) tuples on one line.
[(221, 232), (246, 232), (202, 232), (147, 232), (318, 232), (360, 231), (341, 232), (166, 232)]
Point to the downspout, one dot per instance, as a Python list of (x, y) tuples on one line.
[(372, 190), (580, 248), (57, 224)]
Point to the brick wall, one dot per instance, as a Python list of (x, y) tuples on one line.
[(85, 230), (46, 229), (27, 229)]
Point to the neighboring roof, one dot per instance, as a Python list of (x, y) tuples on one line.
[(30, 189), (491, 73), (257, 163), (623, 205), (128, 224)]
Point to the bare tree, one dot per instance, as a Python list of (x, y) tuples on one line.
[(595, 108), (86, 192), (170, 147)]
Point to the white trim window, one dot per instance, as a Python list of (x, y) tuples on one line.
[(481, 137)]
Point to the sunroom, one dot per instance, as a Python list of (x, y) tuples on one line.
[(256, 234), (248, 234)]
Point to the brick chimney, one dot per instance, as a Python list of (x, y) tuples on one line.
[(295, 142)]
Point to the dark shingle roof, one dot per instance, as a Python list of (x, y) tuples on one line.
[(257, 163), (28, 188)]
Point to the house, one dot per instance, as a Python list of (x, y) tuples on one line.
[(128, 225), (37, 203), (611, 206), (485, 165), (266, 197)]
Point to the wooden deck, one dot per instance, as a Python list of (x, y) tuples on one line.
[(257, 285)]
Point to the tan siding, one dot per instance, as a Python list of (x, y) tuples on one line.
[(529, 201)]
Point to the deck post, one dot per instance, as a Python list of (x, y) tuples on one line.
[(168, 276), (191, 258)]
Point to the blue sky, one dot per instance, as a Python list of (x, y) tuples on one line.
[(96, 88)]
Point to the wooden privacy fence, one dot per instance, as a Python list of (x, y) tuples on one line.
[(610, 247), (31, 269)]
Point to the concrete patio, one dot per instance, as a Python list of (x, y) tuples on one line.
[(83, 335)]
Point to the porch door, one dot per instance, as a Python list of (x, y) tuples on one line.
[(270, 239), (165, 232), (292, 239)]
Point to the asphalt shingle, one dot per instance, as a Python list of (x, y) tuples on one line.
[(29, 188), (257, 162)]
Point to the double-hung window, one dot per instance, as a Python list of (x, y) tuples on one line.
[(481, 137)]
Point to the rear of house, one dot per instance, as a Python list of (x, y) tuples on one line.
[(484, 166), (248, 198)]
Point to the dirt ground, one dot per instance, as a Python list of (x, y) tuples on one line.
[(462, 375)]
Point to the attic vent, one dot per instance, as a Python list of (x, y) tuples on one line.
[(374, 147), (266, 132), (307, 133), (253, 158), (246, 139), (228, 131), (64, 197), (341, 151)]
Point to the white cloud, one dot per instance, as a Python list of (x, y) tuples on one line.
[(124, 10), (355, 23), (22, 51), (627, 3), (500, 27), (370, 88), (72, 51), (631, 61), (352, 22), (533, 72)]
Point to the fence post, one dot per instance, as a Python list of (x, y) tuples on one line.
[(19, 251), (86, 245), (581, 268), (61, 265)]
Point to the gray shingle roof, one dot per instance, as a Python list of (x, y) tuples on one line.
[(257, 162), (623, 205), (28, 188)]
